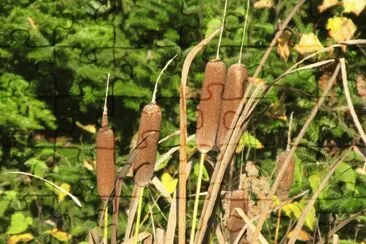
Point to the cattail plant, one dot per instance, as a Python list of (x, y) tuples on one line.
[(237, 199), (105, 163), (208, 115), (144, 155), (234, 90)]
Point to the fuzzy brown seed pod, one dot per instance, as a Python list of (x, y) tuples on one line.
[(208, 111), (147, 144), (233, 93), (238, 199), (287, 178), (105, 163)]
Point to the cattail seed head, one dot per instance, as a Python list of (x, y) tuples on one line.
[(105, 163), (233, 93), (238, 199), (287, 178), (144, 156), (208, 112)]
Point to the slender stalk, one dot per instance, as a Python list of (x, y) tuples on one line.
[(349, 101), (139, 209), (289, 132), (105, 232), (106, 95), (221, 31), (196, 201), (244, 31), (153, 100), (277, 226)]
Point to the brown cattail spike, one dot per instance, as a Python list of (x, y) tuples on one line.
[(233, 93), (209, 106), (147, 144), (288, 177), (238, 199), (105, 163)]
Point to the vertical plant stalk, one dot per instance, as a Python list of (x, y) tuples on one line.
[(197, 198), (238, 124), (139, 209), (153, 100), (316, 194), (183, 137), (292, 151), (105, 232), (349, 101), (221, 31), (244, 31)]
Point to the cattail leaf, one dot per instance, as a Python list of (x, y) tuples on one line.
[(247, 140)]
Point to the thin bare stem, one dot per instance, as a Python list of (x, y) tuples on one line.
[(197, 198), (289, 132), (153, 100), (221, 31), (183, 137), (105, 232), (244, 31), (75, 199), (349, 101), (106, 95)]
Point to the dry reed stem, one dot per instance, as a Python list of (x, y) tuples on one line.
[(233, 137), (349, 101), (142, 236), (312, 200), (183, 135), (250, 224), (172, 221), (292, 151), (132, 212), (219, 235)]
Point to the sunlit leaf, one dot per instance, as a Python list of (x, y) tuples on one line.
[(309, 43), (59, 235), (26, 237), (263, 4), (302, 236), (247, 140), (327, 4), (169, 182), (19, 223), (282, 45), (60, 194), (196, 170), (212, 25), (341, 28), (354, 6)]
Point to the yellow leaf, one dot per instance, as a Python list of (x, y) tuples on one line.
[(59, 235), (89, 128), (61, 195), (302, 236), (309, 43), (263, 4), (89, 165), (327, 4), (341, 28), (169, 182), (282, 45), (354, 6), (20, 238)]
